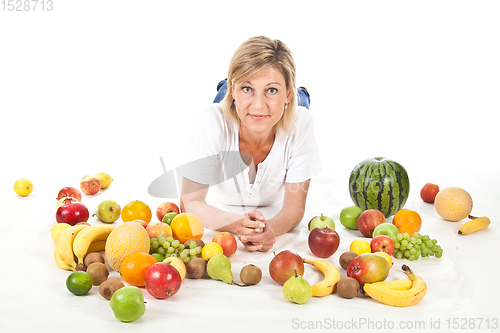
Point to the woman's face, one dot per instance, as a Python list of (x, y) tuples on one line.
[(260, 102)]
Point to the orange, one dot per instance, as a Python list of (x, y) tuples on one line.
[(453, 204), (124, 240), (186, 226), (136, 210), (407, 220), (133, 268)]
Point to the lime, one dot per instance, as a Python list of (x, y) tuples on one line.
[(169, 217), (79, 283), (158, 256), (23, 187)]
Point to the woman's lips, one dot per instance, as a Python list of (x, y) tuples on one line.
[(258, 117)]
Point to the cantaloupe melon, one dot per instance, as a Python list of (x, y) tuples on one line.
[(453, 204), (124, 240)]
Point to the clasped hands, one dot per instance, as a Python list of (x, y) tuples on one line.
[(255, 232)]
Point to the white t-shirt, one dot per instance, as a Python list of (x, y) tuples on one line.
[(294, 158)]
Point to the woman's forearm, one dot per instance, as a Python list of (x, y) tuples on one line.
[(287, 219), (212, 217)]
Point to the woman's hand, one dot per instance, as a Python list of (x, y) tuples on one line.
[(254, 233)]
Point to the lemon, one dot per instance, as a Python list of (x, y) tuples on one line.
[(211, 249), (105, 179), (23, 187), (360, 246), (387, 257), (56, 230)]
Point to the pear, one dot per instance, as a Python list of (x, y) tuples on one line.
[(219, 268), (296, 289), (108, 211)]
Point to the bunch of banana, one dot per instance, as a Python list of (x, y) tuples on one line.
[(76, 241), (331, 273), (477, 223), (404, 292)]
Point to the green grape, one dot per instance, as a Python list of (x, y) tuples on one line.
[(160, 236), (174, 255), (192, 252), (170, 239), (175, 243), (406, 236), (399, 237), (170, 250), (397, 245), (184, 254), (198, 249), (152, 240), (412, 257), (166, 244), (439, 254), (186, 260), (161, 250), (155, 245), (422, 246), (419, 241), (399, 255), (181, 247), (417, 235), (413, 240), (402, 247), (410, 246), (413, 251), (404, 242), (425, 238), (192, 244)]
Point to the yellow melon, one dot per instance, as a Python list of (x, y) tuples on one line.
[(124, 240), (453, 204)]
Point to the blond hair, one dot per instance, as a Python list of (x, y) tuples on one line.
[(253, 55)]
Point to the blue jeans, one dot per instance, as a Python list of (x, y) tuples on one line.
[(303, 98)]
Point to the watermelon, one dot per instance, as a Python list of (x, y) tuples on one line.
[(379, 183)]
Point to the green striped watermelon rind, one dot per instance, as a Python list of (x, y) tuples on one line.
[(379, 183)]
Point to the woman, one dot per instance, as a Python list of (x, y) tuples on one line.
[(258, 145)]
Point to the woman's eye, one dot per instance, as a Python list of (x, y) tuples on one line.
[(246, 89), (272, 91)]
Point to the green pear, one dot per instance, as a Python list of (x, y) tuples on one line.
[(219, 268), (296, 289), (108, 211)]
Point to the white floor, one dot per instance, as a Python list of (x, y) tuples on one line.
[(112, 85)]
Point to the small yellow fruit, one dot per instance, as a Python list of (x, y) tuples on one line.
[(178, 264), (23, 187), (105, 179), (387, 257), (211, 249), (360, 246), (56, 230)]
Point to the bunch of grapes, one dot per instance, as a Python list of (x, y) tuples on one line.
[(169, 247), (412, 248)]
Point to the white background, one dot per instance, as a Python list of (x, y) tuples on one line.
[(109, 86)]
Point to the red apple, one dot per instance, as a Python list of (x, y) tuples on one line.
[(162, 280), (284, 265), (69, 192), (369, 220), (154, 229), (323, 242), (368, 268), (165, 208), (227, 241), (428, 192), (72, 213), (90, 184), (382, 243)]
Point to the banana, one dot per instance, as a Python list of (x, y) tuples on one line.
[(332, 276), (398, 298), (64, 244), (97, 246), (477, 223), (60, 263), (88, 236), (401, 284)]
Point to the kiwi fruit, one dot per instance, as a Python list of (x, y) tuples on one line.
[(346, 257), (348, 287), (99, 273), (109, 287), (196, 268), (93, 257), (199, 242), (250, 274)]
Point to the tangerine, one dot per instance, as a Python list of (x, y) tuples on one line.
[(453, 204), (186, 226), (133, 268), (407, 220), (136, 210)]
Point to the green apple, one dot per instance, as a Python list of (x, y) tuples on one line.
[(127, 303), (349, 217), (108, 211), (387, 229), (321, 221), (169, 217)]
